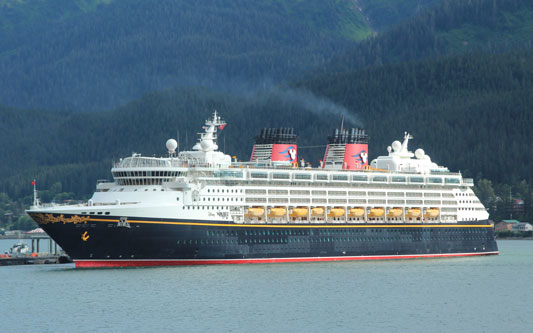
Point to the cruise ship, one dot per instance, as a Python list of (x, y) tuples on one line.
[(205, 207)]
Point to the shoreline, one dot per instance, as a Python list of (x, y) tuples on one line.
[(514, 238)]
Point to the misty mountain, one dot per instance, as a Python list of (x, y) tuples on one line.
[(118, 50), (446, 28), (470, 112), (98, 54)]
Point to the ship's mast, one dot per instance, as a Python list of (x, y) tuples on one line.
[(36, 202)]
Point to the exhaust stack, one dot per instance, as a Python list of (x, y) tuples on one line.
[(276, 145), (347, 149)]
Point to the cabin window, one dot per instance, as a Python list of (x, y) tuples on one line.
[(416, 180), (259, 175), (321, 177), (228, 173), (358, 178), (453, 181), (280, 175), (302, 176), (435, 180), (340, 177), (398, 179), (379, 179)]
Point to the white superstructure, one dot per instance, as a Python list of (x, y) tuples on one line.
[(204, 184)]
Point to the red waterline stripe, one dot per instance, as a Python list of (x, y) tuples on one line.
[(162, 262)]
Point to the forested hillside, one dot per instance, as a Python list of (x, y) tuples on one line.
[(106, 56), (98, 54), (471, 112), (382, 14), (449, 27)]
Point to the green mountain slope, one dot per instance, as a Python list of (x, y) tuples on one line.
[(470, 112), (449, 27), (97, 54), (105, 54), (383, 14)]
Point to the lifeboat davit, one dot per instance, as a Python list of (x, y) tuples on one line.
[(395, 212), (357, 212), (376, 212), (277, 212), (413, 212), (317, 211), (255, 212), (299, 212), (432, 212), (336, 212)]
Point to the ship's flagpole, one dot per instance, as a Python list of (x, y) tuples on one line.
[(35, 198)]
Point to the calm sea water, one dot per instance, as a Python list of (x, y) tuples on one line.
[(478, 294)]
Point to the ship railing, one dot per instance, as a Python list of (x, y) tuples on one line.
[(150, 162), (84, 204), (154, 162)]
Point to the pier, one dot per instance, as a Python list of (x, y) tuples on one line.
[(21, 255)]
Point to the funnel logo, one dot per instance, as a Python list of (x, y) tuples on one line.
[(289, 153), (361, 158)]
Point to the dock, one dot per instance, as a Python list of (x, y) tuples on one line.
[(55, 255)]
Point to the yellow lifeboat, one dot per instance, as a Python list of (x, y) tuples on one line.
[(277, 212), (376, 212), (299, 212), (317, 211), (432, 212), (357, 212), (255, 212), (413, 212), (336, 212), (395, 212)]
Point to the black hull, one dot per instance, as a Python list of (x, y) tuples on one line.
[(95, 241)]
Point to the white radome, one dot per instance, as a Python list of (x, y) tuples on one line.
[(419, 153), (171, 145), (396, 146)]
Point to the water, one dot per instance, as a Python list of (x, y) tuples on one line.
[(477, 294)]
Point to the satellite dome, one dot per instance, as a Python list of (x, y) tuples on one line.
[(171, 145), (396, 146), (207, 145), (419, 153)]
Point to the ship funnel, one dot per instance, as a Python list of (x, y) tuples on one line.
[(276, 145), (347, 149)]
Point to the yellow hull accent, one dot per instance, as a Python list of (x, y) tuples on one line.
[(326, 226), (236, 225)]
